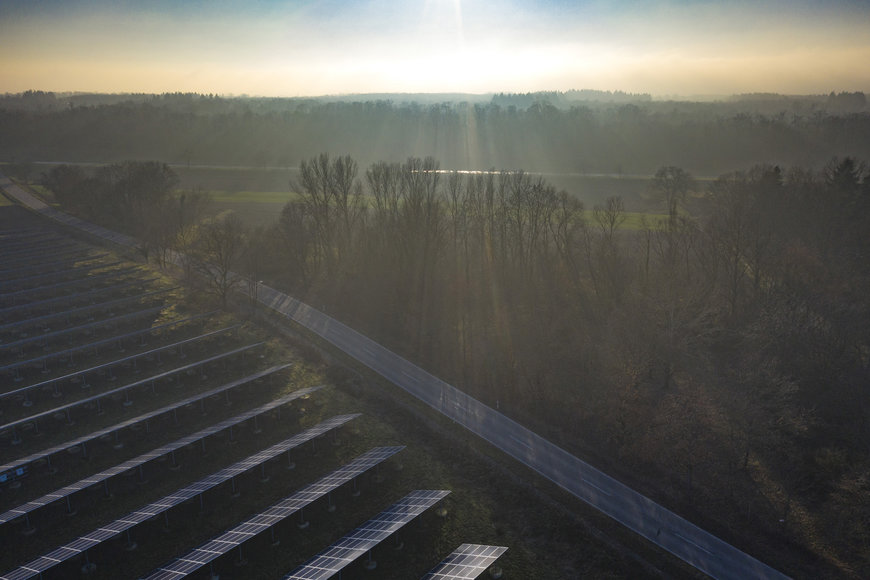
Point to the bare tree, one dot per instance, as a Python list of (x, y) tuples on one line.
[(610, 216), (737, 229), (332, 197), (297, 245), (217, 251), (671, 185)]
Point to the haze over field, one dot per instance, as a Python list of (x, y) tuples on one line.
[(290, 48)]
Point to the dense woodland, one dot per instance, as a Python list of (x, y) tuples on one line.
[(717, 361), (573, 132)]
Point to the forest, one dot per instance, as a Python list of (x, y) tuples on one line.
[(715, 357), (578, 132), (713, 354)]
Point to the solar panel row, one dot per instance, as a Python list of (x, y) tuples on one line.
[(113, 363), (246, 530), (72, 297), (26, 237), (127, 522), (28, 230), (96, 398), (25, 250), (47, 453), (99, 368), (93, 229), (28, 322), (57, 285), (24, 233), (367, 536), (67, 273), (103, 476), (29, 200), (467, 562), (82, 327), (26, 264)]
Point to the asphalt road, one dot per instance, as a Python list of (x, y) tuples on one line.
[(673, 533)]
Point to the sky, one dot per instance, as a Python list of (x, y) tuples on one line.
[(328, 47)]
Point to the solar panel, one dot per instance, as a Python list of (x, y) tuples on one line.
[(47, 453), (34, 237), (104, 476), (29, 200), (113, 363), (68, 254), (71, 297), (23, 237), (27, 232), (290, 505), (80, 310), (80, 269), (55, 286), (49, 335), (98, 396), (332, 560), (127, 522), (14, 248), (467, 562)]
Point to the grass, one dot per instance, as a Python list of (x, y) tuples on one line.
[(256, 208), (263, 207), (634, 221), (41, 191), (279, 197)]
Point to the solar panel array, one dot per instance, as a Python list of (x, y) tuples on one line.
[(28, 322), (467, 562), (111, 340), (103, 476), (108, 365), (31, 264), (73, 273), (83, 280), (73, 297), (83, 327), (31, 201), (19, 237), (96, 398), (332, 560), (246, 530), (104, 533), (47, 453)]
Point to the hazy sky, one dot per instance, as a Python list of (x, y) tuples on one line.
[(314, 47)]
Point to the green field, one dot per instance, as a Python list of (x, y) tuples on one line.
[(257, 208), (264, 207), (277, 197), (256, 193)]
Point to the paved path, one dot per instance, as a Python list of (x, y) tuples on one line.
[(664, 528)]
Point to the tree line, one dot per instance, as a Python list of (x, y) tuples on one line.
[(574, 132), (717, 361), (722, 357)]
